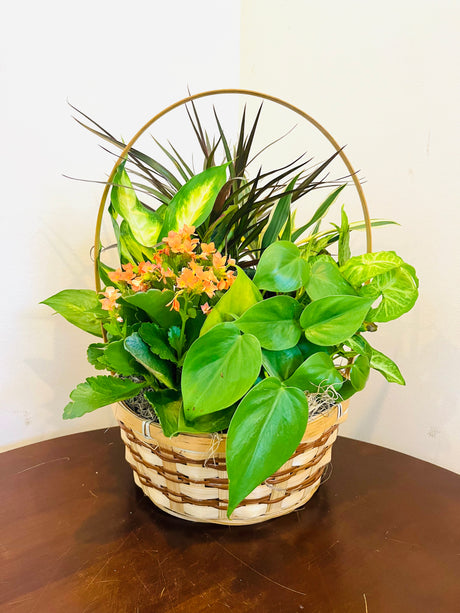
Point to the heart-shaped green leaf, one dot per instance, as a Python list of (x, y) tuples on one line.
[(274, 322), (193, 203), (398, 290), (267, 427), (359, 372), (361, 268), (219, 368), (242, 294), (331, 320), (316, 373), (99, 392), (281, 268), (325, 280)]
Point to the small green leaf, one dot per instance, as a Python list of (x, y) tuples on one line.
[(280, 216), (282, 364), (219, 368), (361, 268), (331, 320), (117, 359), (174, 337), (144, 223), (316, 373), (99, 392), (319, 213), (167, 406), (157, 340), (344, 239), (94, 352), (398, 290), (213, 422), (154, 303), (161, 369), (274, 322), (242, 294), (81, 307), (265, 431), (386, 367), (359, 372), (281, 268), (325, 280), (193, 203)]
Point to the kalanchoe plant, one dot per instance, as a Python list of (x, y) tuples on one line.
[(222, 316)]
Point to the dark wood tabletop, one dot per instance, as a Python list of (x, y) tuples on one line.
[(381, 535)]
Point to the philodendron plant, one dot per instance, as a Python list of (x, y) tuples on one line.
[(223, 317)]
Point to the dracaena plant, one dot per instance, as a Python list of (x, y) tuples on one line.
[(224, 317)]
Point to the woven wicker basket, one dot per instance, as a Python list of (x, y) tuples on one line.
[(186, 475)]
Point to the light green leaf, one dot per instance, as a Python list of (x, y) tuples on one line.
[(242, 294), (319, 213), (344, 239), (219, 368), (193, 203), (157, 340), (331, 320), (280, 216), (359, 372), (154, 302), (274, 322), (398, 290), (386, 367), (99, 392), (281, 268), (316, 373), (266, 429), (81, 307), (325, 280), (361, 268), (144, 223), (161, 369)]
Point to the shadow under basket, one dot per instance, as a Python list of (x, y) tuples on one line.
[(186, 475)]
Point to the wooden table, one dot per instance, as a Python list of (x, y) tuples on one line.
[(380, 536)]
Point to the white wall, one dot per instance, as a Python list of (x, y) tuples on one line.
[(381, 78), (120, 63), (384, 79)]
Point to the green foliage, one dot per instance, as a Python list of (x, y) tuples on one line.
[(80, 307), (281, 268), (294, 322), (274, 322), (220, 367), (242, 295), (144, 223), (193, 203), (331, 320), (267, 427), (98, 392), (318, 372)]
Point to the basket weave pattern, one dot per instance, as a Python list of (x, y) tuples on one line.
[(186, 475)]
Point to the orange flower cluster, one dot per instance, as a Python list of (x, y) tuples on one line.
[(109, 303), (184, 265)]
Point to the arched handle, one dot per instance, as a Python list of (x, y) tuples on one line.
[(215, 92)]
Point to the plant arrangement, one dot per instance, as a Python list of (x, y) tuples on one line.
[(222, 315)]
